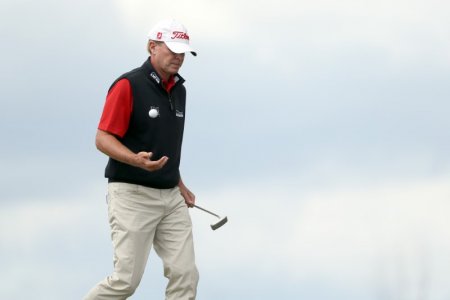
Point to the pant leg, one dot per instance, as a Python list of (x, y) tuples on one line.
[(174, 245), (134, 212)]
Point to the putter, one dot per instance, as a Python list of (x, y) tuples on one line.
[(219, 223)]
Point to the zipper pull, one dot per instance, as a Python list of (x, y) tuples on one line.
[(170, 102)]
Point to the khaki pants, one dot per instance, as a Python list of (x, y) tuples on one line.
[(139, 217)]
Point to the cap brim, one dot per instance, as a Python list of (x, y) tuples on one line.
[(180, 48)]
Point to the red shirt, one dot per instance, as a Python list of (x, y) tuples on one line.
[(119, 106)]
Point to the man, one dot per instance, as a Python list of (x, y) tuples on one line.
[(141, 130)]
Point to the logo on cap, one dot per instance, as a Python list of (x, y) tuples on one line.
[(180, 35), (159, 35)]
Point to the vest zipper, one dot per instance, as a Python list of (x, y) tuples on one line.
[(170, 101)]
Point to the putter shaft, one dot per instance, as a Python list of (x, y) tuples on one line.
[(205, 210)]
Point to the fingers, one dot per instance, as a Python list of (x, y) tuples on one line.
[(154, 165), (189, 198), (145, 162), (191, 202)]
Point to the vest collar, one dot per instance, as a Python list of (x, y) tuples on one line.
[(151, 73)]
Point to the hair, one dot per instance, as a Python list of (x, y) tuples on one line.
[(148, 45)]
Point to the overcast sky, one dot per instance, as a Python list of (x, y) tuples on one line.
[(320, 128)]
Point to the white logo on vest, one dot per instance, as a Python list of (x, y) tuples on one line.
[(155, 77), (153, 112), (179, 114)]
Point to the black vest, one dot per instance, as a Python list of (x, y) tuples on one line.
[(162, 135)]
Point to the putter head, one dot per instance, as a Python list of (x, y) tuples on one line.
[(219, 223)]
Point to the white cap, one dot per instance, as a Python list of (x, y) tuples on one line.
[(173, 34)]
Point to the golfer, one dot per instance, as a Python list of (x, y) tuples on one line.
[(141, 130)]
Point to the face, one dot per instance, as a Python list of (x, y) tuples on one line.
[(165, 61)]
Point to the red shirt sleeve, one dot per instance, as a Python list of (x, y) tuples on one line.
[(117, 110)]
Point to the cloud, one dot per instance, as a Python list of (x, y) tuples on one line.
[(374, 236), (212, 20), (308, 34), (321, 127), (345, 233)]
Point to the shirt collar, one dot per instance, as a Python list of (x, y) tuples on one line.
[(151, 72)]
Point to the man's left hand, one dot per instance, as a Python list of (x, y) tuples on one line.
[(188, 196)]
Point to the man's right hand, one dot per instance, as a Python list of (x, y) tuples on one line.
[(111, 146), (143, 160)]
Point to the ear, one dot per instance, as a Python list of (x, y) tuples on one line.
[(151, 47)]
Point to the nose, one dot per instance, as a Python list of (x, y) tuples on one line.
[(179, 55)]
